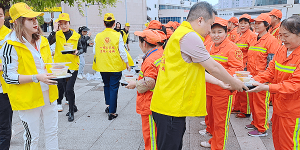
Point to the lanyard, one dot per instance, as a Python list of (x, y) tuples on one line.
[(149, 53)]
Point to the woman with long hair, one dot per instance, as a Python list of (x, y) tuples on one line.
[(31, 90)]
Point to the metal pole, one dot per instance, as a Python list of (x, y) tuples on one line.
[(86, 17), (126, 9)]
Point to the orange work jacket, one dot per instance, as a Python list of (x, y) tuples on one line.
[(243, 42), (150, 69), (284, 72), (230, 57), (275, 31), (207, 40), (258, 53), (232, 35)]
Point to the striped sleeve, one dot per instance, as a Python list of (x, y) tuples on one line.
[(10, 64)]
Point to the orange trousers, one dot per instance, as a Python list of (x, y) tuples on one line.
[(242, 102), (207, 123), (149, 132), (219, 116), (259, 104), (285, 132)]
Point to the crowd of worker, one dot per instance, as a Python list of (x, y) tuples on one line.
[(188, 70)]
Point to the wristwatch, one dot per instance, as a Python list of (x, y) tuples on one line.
[(34, 79)]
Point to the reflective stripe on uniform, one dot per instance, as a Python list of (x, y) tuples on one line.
[(141, 74), (152, 132), (267, 102), (157, 62), (220, 58), (296, 135), (248, 104), (275, 31), (259, 49), (227, 120), (287, 69), (241, 45)]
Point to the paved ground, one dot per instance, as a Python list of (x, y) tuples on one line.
[(91, 130)]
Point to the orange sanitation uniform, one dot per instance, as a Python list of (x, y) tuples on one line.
[(207, 40), (257, 62), (242, 102), (219, 101), (233, 35), (284, 73), (150, 69), (275, 31)]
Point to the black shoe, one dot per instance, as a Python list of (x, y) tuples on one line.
[(71, 117), (67, 114), (112, 116), (75, 108), (106, 109)]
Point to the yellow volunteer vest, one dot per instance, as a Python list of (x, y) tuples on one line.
[(107, 57), (29, 95), (59, 57), (125, 36), (180, 87), (3, 32)]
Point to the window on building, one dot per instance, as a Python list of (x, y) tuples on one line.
[(154, 5), (165, 20), (172, 7), (184, 18), (296, 1), (194, 0)]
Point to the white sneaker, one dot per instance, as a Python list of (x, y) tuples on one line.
[(205, 144), (202, 132), (59, 108), (79, 76), (203, 123)]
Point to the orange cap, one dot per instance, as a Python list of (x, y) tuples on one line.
[(234, 20), (169, 32), (247, 17), (276, 12), (221, 21), (163, 36), (154, 24), (177, 23), (171, 24), (151, 36), (264, 17)]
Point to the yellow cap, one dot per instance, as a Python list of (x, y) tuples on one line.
[(56, 20), (22, 10), (109, 15), (147, 24), (63, 16), (127, 25)]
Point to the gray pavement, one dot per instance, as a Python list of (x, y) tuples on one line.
[(91, 130)]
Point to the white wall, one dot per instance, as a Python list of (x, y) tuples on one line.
[(154, 11)]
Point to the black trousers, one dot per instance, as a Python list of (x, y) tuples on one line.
[(5, 122), (170, 131), (66, 88)]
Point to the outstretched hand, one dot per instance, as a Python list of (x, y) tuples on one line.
[(259, 87), (46, 78)]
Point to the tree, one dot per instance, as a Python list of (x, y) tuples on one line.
[(40, 5)]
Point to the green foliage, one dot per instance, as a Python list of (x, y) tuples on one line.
[(40, 20), (39, 5)]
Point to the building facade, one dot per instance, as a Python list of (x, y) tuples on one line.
[(235, 3), (134, 11), (169, 10)]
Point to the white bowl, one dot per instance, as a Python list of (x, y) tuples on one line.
[(58, 71)]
